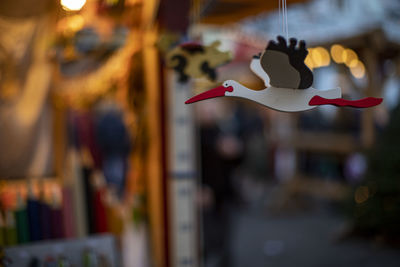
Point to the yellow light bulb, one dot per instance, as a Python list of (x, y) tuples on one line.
[(72, 5)]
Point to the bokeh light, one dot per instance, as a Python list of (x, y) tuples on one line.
[(358, 71), (320, 57), (309, 61), (72, 5), (337, 53), (349, 56), (71, 24), (353, 63), (362, 194)]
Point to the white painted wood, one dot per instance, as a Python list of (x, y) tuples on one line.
[(255, 66), (282, 99), (182, 175)]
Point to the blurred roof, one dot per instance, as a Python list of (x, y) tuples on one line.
[(25, 8), (230, 11), (324, 21), (320, 22)]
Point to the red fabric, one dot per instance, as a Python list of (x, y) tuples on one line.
[(87, 137), (68, 214), (100, 212)]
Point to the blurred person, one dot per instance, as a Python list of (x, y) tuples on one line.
[(221, 151), (233, 148), (252, 173)]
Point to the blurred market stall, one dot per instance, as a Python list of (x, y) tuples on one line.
[(103, 164)]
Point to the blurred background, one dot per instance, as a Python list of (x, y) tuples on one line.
[(102, 163)]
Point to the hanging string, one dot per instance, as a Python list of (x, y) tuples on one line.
[(286, 19), (283, 17), (287, 24), (280, 21)]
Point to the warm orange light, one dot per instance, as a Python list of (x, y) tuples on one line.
[(111, 2), (348, 56), (316, 57), (362, 194), (337, 53), (308, 61), (72, 5), (353, 63), (71, 24), (358, 71), (320, 57), (76, 22)]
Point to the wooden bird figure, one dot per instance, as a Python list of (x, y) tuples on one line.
[(288, 82)]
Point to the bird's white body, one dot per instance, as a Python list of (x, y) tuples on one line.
[(255, 66), (282, 99)]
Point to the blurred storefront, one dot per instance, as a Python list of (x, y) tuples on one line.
[(103, 164)]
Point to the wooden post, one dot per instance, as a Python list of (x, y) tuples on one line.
[(181, 173), (367, 120), (155, 186)]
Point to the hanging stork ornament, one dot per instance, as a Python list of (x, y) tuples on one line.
[(288, 81)]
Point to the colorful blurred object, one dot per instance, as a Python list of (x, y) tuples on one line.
[(193, 60)]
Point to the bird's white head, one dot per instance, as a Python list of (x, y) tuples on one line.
[(226, 89)]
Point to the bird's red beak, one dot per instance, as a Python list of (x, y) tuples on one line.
[(215, 92)]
